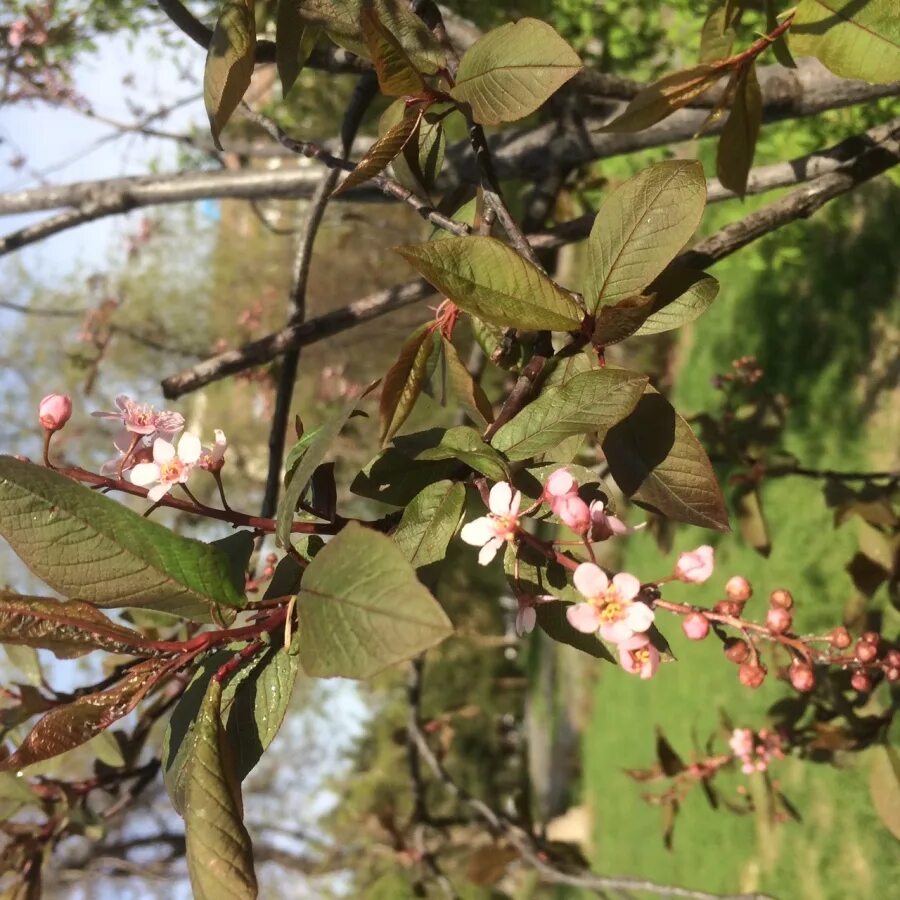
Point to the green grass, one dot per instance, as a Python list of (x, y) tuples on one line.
[(816, 329)]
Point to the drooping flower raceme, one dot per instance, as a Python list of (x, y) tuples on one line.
[(170, 465), (491, 531), (638, 656), (610, 606)]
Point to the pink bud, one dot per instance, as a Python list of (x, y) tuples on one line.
[(574, 512), (778, 620), (559, 484), (751, 675), (861, 682), (54, 411), (695, 567), (738, 589), (802, 677), (696, 626)]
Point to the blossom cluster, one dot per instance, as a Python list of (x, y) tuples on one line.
[(755, 749), (145, 444), (611, 606)]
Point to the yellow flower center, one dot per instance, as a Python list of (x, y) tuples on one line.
[(641, 656), (172, 470), (612, 612)]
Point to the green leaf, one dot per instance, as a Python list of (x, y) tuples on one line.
[(67, 627), (380, 154), (640, 228), (293, 43), (404, 381), (779, 45), (513, 70), (423, 155), (25, 659), (362, 609), (295, 454), (394, 477), (72, 724), (551, 617), (341, 20), (260, 702), (490, 280), (884, 787), (591, 401), (752, 520), (219, 852), (397, 76), (465, 444), (429, 522), (657, 461), (717, 34), (854, 39), (320, 442), (88, 546), (660, 99), (737, 144), (465, 390), (229, 63), (681, 295)]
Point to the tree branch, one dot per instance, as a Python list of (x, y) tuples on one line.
[(796, 205)]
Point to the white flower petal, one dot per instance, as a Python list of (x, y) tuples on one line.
[(189, 448), (639, 617), (591, 580), (627, 585), (489, 551), (158, 492), (163, 451), (583, 617), (144, 473), (500, 499), (525, 620), (515, 504), (478, 532)]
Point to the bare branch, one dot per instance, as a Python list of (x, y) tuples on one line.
[(796, 205), (808, 90), (268, 348), (762, 179)]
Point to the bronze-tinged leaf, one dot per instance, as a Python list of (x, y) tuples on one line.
[(657, 461), (68, 726), (669, 760), (404, 380), (397, 76), (680, 295), (737, 143), (67, 627), (229, 63), (663, 97), (467, 392), (381, 152), (621, 320)]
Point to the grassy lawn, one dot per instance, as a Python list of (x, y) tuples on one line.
[(821, 334)]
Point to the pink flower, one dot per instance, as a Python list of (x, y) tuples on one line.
[(490, 531), (124, 442), (604, 526), (141, 418), (559, 484), (526, 617), (16, 33), (741, 742), (212, 459), (638, 656), (54, 411), (610, 606), (574, 512), (695, 567), (169, 466)]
